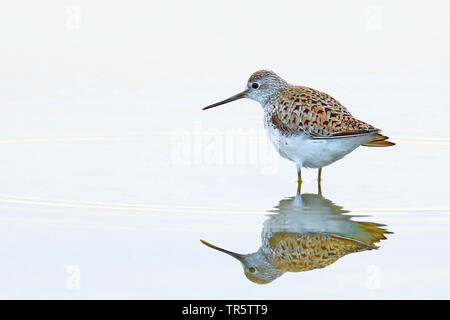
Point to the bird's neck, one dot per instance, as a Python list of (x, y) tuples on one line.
[(269, 102)]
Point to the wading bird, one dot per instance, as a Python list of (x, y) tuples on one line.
[(307, 126)]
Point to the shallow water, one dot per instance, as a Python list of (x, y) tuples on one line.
[(120, 215)]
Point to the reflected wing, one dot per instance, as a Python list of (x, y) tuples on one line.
[(301, 252), (305, 110)]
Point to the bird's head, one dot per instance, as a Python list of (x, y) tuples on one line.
[(256, 266), (262, 86)]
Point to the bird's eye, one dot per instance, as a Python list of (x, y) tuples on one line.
[(251, 270), (255, 85)]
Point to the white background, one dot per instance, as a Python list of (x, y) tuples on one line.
[(94, 94)]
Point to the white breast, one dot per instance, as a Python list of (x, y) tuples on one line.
[(313, 153)]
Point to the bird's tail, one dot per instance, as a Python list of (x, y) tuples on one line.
[(372, 233), (379, 141)]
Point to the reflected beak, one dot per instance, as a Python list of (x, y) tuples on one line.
[(233, 254), (235, 97)]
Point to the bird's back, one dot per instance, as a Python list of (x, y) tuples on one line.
[(304, 110)]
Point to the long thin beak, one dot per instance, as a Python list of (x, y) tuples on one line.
[(233, 254), (235, 97)]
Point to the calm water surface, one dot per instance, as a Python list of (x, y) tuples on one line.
[(121, 214)]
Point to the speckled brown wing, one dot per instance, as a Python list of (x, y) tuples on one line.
[(301, 252), (305, 110)]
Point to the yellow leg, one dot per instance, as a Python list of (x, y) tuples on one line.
[(319, 181), (299, 184)]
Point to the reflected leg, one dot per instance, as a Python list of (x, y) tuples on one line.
[(319, 181), (299, 182)]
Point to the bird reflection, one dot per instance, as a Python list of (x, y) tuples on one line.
[(303, 233)]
